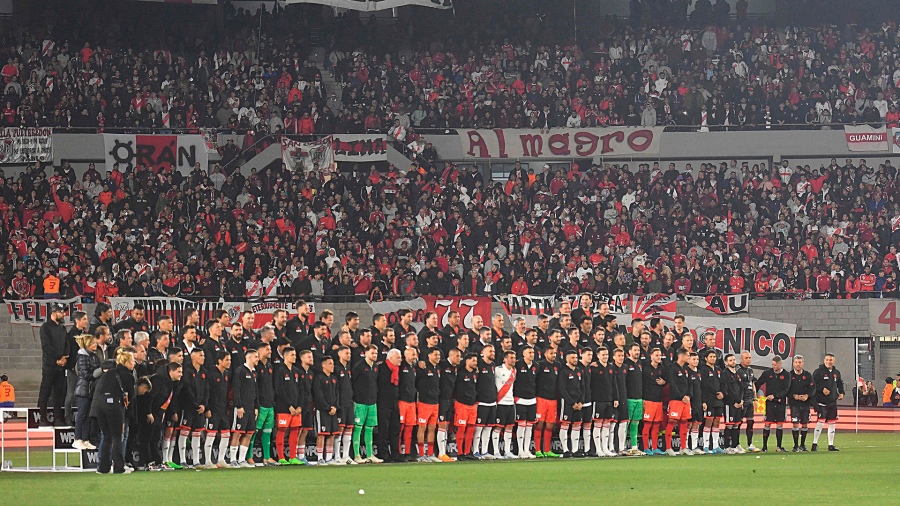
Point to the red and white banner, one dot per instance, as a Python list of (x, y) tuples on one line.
[(526, 306), (264, 312), (763, 339), (306, 155), (155, 151), (865, 138), (193, 2), (468, 307), (26, 145), (627, 307), (359, 147), (176, 308), (722, 304), (35, 312), (560, 143)]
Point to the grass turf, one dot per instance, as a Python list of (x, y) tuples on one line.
[(859, 474)]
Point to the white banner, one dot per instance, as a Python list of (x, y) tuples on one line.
[(526, 306), (389, 308), (36, 311), (306, 155), (895, 140), (762, 338), (26, 145), (560, 143), (155, 151), (264, 312), (865, 138), (722, 304), (374, 5), (360, 147), (154, 307)]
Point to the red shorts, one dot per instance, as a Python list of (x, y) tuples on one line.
[(464, 414), (407, 413), (653, 411), (547, 411), (287, 420), (428, 413), (679, 410)]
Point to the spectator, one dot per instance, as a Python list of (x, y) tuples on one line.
[(55, 351), (7, 393)]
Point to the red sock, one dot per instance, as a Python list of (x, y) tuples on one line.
[(670, 429), (537, 440), (293, 438), (548, 438), (407, 438), (682, 434), (461, 440), (470, 436), (422, 449), (646, 435)]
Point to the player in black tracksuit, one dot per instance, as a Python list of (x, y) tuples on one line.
[(803, 390), (829, 390), (218, 423), (406, 400), (777, 383), (265, 423), (487, 402), (621, 414), (344, 373), (652, 373), (587, 405), (571, 389), (604, 395), (245, 396), (307, 410), (693, 372), (326, 398), (713, 401), (286, 381), (748, 388), (546, 392), (731, 388), (194, 398)]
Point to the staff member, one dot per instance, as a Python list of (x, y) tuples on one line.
[(112, 393), (55, 352)]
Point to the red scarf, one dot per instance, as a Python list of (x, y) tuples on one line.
[(395, 372)]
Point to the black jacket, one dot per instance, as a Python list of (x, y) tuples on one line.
[(54, 344), (114, 390), (828, 379), (87, 364)]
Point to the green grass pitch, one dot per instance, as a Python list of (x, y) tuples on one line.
[(864, 472)]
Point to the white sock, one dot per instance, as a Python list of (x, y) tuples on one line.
[(831, 434), (243, 453), (576, 438), (442, 441), (173, 442), (195, 448), (347, 443), (695, 435), (623, 427), (520, 439), (337, 446), (507, 440), (208, 446), (476, 441), (715, 437), (223, 448), (606, 438), (597, 436), (564, 438), (704, 437), (232, 453), (529, 430), (485, 439), (495, 439), (165, 449), (818, 432), (182, 448)]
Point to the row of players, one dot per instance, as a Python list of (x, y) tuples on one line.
[(591, 392)]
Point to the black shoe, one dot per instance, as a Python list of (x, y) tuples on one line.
[(592, 454), (567, 455), (803, 448), (795, 449), (579, 455), (780, 449), (833, 448), (44, 423), (814, 448), (765, 449)]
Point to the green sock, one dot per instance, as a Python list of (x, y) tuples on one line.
[(357, 430), (368, 434), (633, 433), (266, 443), (252, 442)]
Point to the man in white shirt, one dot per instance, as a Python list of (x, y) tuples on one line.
[(504, 377)]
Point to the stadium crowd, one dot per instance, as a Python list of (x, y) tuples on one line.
[(394, 394)]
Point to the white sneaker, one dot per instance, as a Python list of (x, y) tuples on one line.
[(374, 460), (688, 452), (670, 452), (753, 449), (79, 445), (245, 465), (360, 460), (89, 446), (434, 459), (740, 449)]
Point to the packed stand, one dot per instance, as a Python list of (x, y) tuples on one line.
[(790, 230)]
